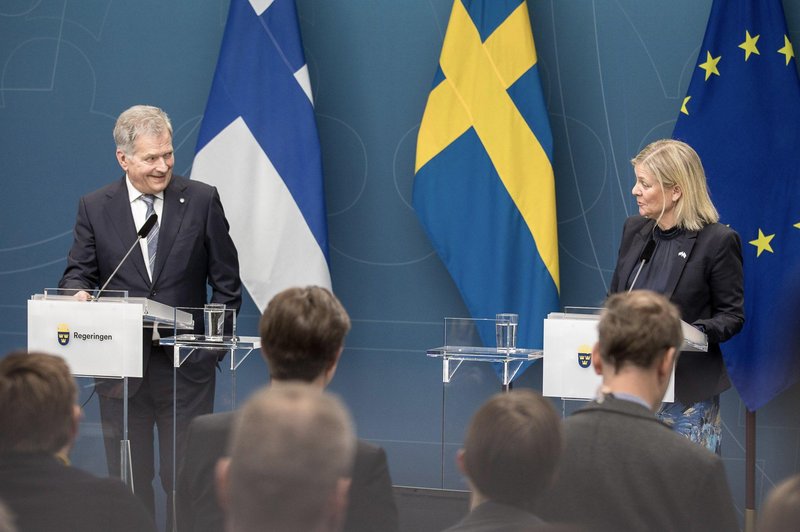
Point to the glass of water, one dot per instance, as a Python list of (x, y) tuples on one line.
[(214, 315), (506, 331)]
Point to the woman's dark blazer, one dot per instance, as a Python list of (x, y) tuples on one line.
[(707, 287)]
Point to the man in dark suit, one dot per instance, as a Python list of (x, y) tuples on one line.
[(302, 337), (510, 456), (188, 249), (622, 468), (39, 421)]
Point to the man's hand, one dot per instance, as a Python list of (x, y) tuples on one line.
[(83, 295)]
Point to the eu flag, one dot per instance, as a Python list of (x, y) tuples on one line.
[(258, 145), (484, 188), (742, 115)]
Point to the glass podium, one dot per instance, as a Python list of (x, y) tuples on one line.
[(462, 343), (186, 344), (470, 375)]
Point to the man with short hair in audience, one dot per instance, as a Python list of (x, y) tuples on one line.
[(302, 337), (38, 424), (510, 455), (622, 468), (291, 455)]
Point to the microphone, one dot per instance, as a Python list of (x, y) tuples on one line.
[(647, 253), (142, 233), (146, 227)]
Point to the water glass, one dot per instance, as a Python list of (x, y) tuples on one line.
[(506, 331), (214, 315)]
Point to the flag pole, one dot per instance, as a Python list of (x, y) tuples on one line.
[(750, 471)]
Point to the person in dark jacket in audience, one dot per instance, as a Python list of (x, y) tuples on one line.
[(302, 337), (623, 469), (510, 456), (38, 424)]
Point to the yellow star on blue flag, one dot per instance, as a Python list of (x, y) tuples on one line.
[(746, 129)]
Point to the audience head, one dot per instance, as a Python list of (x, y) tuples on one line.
[(637, 329), (292, 452), (675, 165), (782, 509), (302, 334), (512, 448), (6, 519), (38, 410)]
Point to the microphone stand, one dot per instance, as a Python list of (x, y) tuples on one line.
[(647, 252), (143, 232)]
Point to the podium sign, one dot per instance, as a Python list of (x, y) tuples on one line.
[(97, 339), (568, 371)]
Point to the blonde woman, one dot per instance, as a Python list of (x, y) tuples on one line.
[(696, 262)]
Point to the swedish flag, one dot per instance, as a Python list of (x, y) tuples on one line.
[(742, 115), (484, 188)]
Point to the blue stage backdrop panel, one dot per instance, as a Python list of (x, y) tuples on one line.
[(613, 75)]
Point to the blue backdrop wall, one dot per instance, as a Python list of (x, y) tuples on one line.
[(614, 73)]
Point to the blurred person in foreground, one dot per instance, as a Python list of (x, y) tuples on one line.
[(781, 510), (510, 457), (696, 262), (302, 338), (6, 521), (292, 451), (622, 468), (39, 421)]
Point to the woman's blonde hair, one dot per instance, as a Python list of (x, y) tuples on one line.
[(675, 163)]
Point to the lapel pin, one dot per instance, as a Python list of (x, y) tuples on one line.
[(682, 254), (182, 200)]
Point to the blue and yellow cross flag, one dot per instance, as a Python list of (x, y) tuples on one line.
[(484, 188), (742, 115)]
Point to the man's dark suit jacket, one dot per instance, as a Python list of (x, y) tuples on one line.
[(46, 495), (194, 248), (708, 288), (495, 517), (622, 469), (371, 505)]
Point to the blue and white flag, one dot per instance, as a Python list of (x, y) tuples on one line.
[(258, 145)]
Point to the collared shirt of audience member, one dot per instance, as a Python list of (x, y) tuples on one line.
[(39, 421), (696, 264), (622, 468), (291, 455), (510, 456), (302, 337), (194, 250)]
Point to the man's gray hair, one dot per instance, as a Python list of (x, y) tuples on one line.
[(292, 444), (137, 121)]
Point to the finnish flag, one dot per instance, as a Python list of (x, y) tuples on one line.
[(258, 145)]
